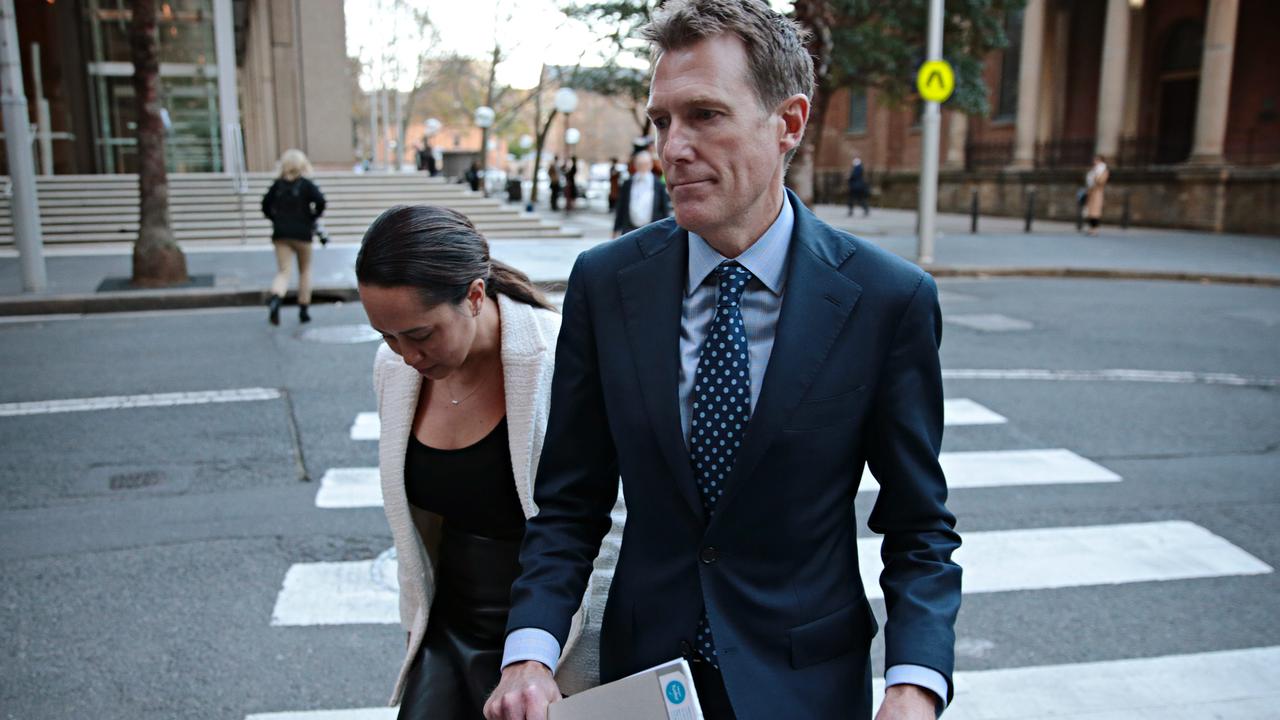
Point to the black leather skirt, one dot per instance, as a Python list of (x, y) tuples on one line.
[(458, 663)]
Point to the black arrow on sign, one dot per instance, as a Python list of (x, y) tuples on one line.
[(935, 75)]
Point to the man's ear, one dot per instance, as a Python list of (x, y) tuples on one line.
[(794, 112)]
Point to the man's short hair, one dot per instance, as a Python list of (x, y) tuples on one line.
[(780, 64)]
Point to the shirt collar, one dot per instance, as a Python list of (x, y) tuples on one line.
[(766, 258)]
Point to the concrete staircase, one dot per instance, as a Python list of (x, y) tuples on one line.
[(204, 207)]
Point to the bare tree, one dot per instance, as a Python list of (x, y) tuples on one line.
[(157, 259)]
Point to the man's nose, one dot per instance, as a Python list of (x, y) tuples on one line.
[(676, 146)]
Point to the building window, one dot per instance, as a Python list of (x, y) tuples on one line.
[(1007, 109), (857, 110)]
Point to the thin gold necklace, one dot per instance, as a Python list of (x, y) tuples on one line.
[(455, 402)]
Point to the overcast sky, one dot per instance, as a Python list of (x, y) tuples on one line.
[(536, 32)]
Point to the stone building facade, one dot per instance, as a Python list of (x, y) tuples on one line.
[(239, 79), (1179, 96)]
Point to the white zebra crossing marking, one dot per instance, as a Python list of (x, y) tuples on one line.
[(999, 561), (959, 411), (1003, 468), (360, 487), (123, 402), (366, 427), (376, 713), (1237, 684), (962, 411), (342, 488), (990, 322), (340, 593), (1048, 558)]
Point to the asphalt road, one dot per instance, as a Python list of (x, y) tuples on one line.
[(155, 599)]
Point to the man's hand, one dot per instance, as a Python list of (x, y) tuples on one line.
[(525, 691), (908, 702)]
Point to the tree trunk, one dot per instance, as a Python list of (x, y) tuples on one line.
[(157, 259), (817, 17)]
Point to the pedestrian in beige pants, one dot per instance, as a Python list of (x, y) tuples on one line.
[(293, 204)]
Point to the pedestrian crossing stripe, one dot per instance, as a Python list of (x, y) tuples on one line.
[(1239, 684), (1052, 558), (1005, 468), (365, 591), (376, 713), (342, 488), (959, 411), (366, 427), (962, 411)]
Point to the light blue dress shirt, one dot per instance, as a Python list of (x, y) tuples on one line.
[(761, 304)]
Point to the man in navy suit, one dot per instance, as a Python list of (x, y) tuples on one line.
[(739, 366), (642, 199)]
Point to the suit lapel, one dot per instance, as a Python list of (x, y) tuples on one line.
[(652, 292), (816, 304)]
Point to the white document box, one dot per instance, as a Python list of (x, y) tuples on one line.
[(664, 692)]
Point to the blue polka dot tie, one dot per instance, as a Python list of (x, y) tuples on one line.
[(721, 407)]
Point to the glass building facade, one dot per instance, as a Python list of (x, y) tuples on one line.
[(188, 85)]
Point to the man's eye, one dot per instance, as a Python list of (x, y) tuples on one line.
[(704, 114), (660, 123)]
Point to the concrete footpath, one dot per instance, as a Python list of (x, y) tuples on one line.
[(234, 274)]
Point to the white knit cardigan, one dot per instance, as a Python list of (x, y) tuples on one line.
[(528, 337)]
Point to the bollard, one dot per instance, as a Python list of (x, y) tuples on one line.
[(1124, 213), (973, 211), (1031, 207)]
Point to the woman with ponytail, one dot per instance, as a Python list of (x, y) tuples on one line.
[(463, 384)]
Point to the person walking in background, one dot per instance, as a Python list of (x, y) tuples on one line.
[(1095, 181), (292, 204), (553, 182), (615, 182), (571, 184), (463, 385), (473, 176), (858, 188), (643, 199)]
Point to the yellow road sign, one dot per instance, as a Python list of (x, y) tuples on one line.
[(936, 81)]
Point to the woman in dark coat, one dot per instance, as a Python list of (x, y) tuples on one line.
[(292, 203)]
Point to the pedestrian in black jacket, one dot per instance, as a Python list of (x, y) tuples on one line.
[(642, 199), (292, 204)]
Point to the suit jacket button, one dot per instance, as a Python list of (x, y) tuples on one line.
[(709, 555)]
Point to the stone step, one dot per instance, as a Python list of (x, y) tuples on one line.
[(230, 236), (95, 215)]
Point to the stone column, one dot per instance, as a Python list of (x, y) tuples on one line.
[(957, 136), (1215, 82), (228, 102), (1111, 83), (1024, 151)]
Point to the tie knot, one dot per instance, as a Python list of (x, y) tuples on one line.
[(733, 281)]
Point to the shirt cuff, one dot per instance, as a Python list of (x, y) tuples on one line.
[(927, 678), (536, 644)]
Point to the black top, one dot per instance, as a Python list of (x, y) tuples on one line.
[(293, 206), (472, 488)]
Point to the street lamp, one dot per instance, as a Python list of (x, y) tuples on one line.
[(430, 127), (484, 120), (1136, 4), (566, 101)]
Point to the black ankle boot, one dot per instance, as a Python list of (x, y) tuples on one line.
[(303, 315), (274, 305)]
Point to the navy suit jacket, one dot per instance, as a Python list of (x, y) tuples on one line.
[(854, 379)]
